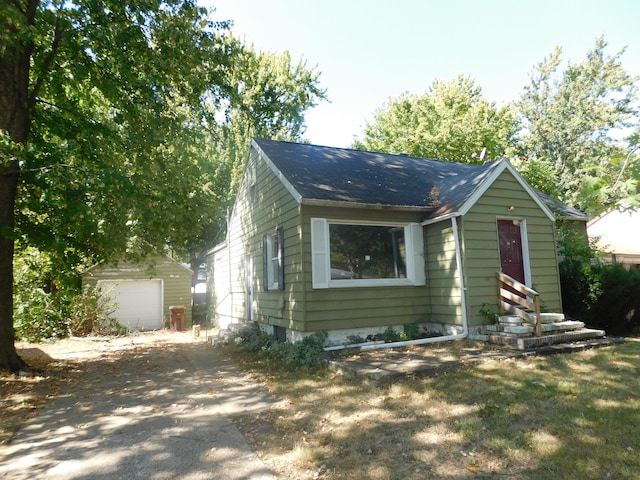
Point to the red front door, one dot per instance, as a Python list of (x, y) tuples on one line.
[(511, 262)]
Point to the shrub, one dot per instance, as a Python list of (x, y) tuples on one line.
[(411, 331), (300, 354), (89, 314), (602, 295), (388, 336), (50, 304), (37, 316)]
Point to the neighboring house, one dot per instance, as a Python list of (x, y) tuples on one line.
[(143, 292), (351, 242), (616, 233)]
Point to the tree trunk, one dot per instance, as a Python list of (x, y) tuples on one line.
[(15, 120), (9, 358)]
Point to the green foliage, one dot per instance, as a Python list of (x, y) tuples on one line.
[(389, 335), (355, 339), (131, 150), (266, 96), (39, 311), (410, 331), (38, 316), (303, 354), (602, 295), (89, 314), (568, 120), (200, 314), (451, 122), (129, 122), (46, 307), (488, 312)]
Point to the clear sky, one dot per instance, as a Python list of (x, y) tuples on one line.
[(371, 50)]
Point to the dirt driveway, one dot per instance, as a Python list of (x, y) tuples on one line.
[(151, 406)]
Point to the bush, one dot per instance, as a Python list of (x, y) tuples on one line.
[(603, 295), (48, 304), (300, 354), (37, 316), (89, 314)]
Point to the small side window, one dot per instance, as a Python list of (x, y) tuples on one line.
[(273, 257), (253, 187)]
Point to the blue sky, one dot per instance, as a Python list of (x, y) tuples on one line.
[(369, 51)]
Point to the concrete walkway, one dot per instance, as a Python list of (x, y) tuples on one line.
[(157, 413)]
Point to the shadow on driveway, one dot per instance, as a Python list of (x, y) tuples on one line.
[(154, 412)]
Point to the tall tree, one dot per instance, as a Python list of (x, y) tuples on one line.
[(569, 120), (267, 96), (99, 104), (452, 121)]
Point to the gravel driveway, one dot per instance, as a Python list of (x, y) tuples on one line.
[(155, 406)]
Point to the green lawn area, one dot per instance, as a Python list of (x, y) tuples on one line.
[(549, 417)]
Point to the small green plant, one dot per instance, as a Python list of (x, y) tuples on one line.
[(411, 331), (388, 336), (488, 312), (300, 354), (355, 339)]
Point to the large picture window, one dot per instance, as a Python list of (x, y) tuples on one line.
[(346, 254), (367, 252)]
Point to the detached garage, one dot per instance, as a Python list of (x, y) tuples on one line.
[(144, 292)]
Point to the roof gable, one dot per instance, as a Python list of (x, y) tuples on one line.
[(149, 261), (337, 176)]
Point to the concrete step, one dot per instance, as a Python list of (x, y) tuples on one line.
[(551, 317), (233, 331), (527, 330), (513, 320), (525, 343)]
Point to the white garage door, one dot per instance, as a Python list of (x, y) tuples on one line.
[(139, 302)]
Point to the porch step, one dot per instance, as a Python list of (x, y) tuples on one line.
[(528, 330), (233, 331), (551, 317), (524, 343), (519, 320)]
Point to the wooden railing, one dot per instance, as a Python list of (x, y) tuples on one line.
[(527, 307)]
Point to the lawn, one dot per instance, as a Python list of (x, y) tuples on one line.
[(548, 417)]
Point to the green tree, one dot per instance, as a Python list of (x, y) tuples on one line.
[(267, 97), (107, 110), (452, 122), (566, 145)]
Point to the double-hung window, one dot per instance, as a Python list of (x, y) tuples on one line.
[(350, 254), (273, 256)]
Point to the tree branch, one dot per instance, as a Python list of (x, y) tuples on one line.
[(48, 60)]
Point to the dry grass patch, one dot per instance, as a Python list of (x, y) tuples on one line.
[(565, 416)]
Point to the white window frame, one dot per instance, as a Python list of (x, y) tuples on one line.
[(273, 259), (321, 256), (252, 184)]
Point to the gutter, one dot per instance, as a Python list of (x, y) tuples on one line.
[(423, 341), (313, 202)]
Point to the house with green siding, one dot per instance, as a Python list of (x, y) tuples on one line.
[(351, 242)]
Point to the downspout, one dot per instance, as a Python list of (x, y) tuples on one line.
[(463, 305)]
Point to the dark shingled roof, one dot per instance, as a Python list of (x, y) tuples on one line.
[(352, 176)]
